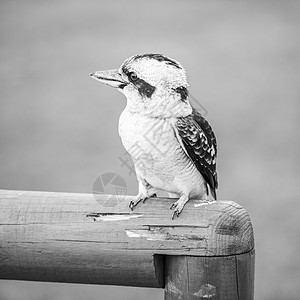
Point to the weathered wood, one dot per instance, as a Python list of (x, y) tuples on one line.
[(219, 278), (74, 238)]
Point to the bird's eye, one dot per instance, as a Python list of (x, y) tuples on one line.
[(133, 76)]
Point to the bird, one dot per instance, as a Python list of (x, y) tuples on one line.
[(172, 145)]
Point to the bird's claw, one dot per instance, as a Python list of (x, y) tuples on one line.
[(173, 205), (134, 203), (176, 211), (178, 206)]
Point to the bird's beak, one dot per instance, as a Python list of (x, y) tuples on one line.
[(110, 77)]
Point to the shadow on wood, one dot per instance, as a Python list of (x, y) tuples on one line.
[(208, 252)]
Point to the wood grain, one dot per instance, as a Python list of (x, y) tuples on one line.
[(76, 238)]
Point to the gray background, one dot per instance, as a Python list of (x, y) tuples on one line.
[(58, 127)]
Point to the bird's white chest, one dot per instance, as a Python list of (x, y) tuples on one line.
[(144, 136)]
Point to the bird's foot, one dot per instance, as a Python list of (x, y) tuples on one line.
[(140, 198), (178, 206)]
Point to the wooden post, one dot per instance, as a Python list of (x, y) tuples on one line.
[(206, 253), (223, 277)]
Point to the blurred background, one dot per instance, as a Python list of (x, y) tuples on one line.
[(58, 127)]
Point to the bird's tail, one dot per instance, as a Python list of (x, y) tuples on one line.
[(213, 193)]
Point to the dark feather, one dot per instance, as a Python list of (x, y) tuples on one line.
[(183, 91), (159, 57), (200, 144)]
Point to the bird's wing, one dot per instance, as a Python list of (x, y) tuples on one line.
[(199, 142)]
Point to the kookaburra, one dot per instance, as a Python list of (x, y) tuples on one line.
[(171, 144)]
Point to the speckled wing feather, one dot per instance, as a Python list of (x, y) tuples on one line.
[(199, 142)]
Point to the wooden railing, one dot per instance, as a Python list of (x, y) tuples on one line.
[(206, 253)]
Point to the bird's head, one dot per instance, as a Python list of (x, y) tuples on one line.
[(153, 84)]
